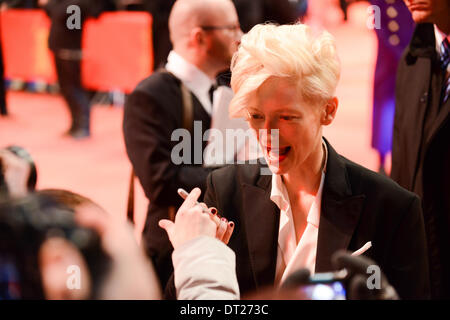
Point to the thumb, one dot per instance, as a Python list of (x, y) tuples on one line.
[(166, 225)]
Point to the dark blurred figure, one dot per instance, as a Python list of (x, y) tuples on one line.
[(49, 237), (32, 229), (360, 272), (393, 35), (421, 140), (253, 12), (66, 46), (160, 10), (3, 110), (21, 4), (350, 281)]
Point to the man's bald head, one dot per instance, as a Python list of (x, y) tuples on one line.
[(189, 14)]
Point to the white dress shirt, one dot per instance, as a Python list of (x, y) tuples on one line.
[(290, 255), (192, 77)]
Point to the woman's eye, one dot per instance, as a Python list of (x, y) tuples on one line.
[(288, 118), (256, 117)]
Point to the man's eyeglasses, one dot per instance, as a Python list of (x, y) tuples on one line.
[(234, 28)]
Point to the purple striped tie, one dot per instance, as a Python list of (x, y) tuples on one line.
[(445, 60)]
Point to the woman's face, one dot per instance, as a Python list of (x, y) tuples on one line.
[(277, 106)]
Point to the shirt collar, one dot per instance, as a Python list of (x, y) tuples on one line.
[(191, 76), (279, 193)]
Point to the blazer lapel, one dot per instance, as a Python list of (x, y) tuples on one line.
[(423, 42), (340, 212), (261, 220), (420, 56)]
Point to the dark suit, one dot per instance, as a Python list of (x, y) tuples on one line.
[(152, 112), (358, 206), (421, 147)]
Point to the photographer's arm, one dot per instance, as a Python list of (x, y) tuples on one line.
[(204, 267)]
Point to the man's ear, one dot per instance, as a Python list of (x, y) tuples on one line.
[(197, 36), (64, 272), (329, 111)]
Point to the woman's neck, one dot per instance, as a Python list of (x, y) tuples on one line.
[(306, 179)]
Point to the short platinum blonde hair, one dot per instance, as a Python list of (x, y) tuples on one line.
[(284, 51)]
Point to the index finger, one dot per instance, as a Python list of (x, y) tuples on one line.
[(191, 199)]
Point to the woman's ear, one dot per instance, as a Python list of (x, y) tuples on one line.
[(64, 272), (330, 111)]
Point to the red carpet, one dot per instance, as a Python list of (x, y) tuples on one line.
[(99, 168)]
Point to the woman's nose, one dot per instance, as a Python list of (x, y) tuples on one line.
[(270, 137), (270, 124)]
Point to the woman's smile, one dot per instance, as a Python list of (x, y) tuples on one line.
[(277, 154)]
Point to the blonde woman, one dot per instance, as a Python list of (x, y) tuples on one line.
[(313, 202)]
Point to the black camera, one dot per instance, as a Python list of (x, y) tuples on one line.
[(350, 283)]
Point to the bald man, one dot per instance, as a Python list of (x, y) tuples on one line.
[(204, 35)]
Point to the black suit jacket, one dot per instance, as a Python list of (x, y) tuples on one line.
[(152, 112), (421, 147), (358, 206)]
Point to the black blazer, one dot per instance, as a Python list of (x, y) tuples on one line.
[(358, 206), (421, 147), (152, 112)]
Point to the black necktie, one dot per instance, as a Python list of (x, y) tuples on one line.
[(211, 93)]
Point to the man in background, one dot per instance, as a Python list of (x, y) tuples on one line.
[(421, 138), (204, 34)]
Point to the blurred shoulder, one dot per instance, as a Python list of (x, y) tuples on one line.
[(158, 81)]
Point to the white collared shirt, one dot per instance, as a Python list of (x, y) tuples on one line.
[(290, 255), (192, 77)]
